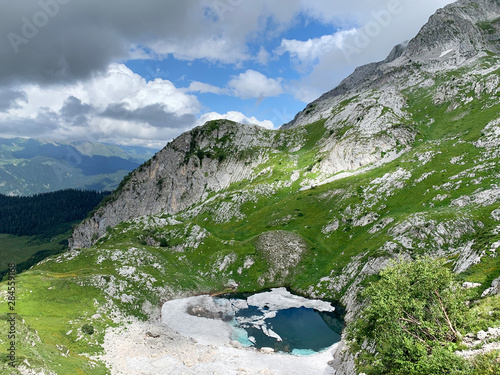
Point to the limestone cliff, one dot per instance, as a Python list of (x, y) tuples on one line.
[(182, 174)]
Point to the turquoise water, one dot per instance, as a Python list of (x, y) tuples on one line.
[(298, 331)]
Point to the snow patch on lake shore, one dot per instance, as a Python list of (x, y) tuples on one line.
[(186, 344)]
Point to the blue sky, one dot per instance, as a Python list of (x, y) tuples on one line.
[(141, 73), (279, 108)]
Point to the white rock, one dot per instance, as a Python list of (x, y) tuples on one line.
[(481, 335), (267, 350), (331, 227), (366, 220), (496, 214), (468, 285)]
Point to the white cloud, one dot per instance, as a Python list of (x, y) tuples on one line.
[(204, 88), (235, 116), (120, 85), (263, 56), (247, 85), (252, 84), (117, 106), (213, 49), (308, 52)]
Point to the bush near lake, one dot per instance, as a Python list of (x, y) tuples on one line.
[(412, 322)]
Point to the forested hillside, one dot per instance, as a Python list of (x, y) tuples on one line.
[(34, 228), (46, 213)]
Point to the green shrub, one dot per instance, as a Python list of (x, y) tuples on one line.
[(88, 329), (486, 27), (487, 364), (412, 320)]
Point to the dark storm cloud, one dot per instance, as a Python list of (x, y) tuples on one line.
[(10, 98), (50, 41), (75, 112), (74, 107), (155, 115), (54, 41)]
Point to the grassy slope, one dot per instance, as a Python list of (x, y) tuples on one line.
[(15, 249), (26, 251), (62, 294)]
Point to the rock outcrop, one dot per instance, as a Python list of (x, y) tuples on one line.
[(204, 160), (494, 289)]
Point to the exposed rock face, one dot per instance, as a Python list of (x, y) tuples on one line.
[(283, 250), (442, 38), (364, 73), (180, 175)]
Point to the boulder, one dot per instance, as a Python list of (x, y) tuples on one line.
[(468, 285), (266, 350), (493, 290)]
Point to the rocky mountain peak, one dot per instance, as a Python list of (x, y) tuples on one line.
[(199, 162), (458, 32), (452, 37)]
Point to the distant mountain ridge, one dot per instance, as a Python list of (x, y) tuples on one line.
[(33, 166)]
